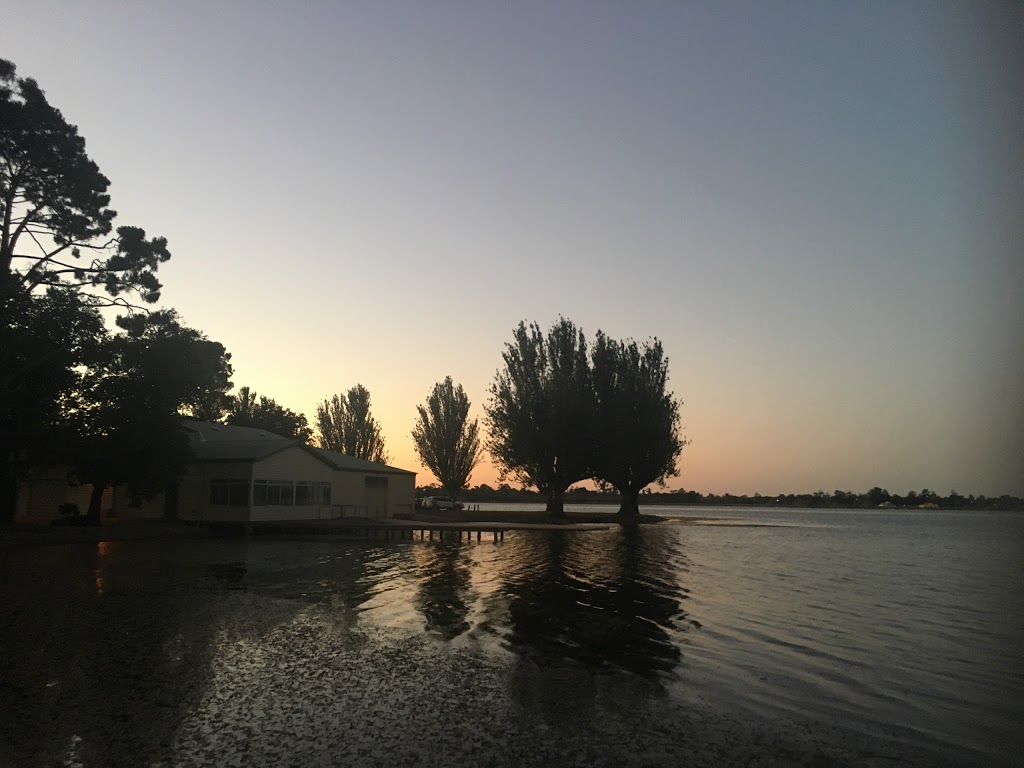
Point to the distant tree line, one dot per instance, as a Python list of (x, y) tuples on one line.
[(873, 499)]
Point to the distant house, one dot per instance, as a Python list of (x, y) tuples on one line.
[(241, 474)]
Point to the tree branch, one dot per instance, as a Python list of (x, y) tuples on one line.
[(25, 279), (12, 242)]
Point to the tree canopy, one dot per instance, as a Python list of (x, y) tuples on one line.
[(446, 439), (344, 424), (54, 208), (557, 416), (59, 260), (127, 413), (540, 412), (247, 409), (636, 420)]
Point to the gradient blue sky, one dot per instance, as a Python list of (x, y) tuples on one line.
[(816, 206)]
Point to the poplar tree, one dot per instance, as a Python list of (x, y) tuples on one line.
[(540, 412), (637, 440), (344, 424), (446, 439)]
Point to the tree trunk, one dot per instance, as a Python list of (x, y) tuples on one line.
[(556, 502), (171, 500), (95, 502), (629, 509), (8, 476), (8, 488)]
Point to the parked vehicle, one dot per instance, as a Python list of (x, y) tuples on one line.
[(440, 502)]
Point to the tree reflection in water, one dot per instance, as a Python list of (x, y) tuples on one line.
[(444, 587), (596, 599), (341, 574)]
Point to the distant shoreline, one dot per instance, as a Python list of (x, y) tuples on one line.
[(877, 498)]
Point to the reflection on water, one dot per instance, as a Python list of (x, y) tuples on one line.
[(610, 599), (101, 654), (444, 587), (172, 652), (230, 575), (600, 599)]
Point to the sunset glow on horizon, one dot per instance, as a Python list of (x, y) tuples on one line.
[(815, 208)]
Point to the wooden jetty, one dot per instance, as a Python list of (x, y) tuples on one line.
[(393, 530)]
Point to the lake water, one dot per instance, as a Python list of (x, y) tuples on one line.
[(764, 637)]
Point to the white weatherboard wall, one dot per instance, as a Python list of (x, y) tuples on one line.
[(347, 489), (294, 464), (41, 495), (191, 499), (401, 494)]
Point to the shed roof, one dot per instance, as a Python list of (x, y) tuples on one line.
[(352, 464), (223, 442), (239, 450)]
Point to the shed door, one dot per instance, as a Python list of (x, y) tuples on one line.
[(376, 496)]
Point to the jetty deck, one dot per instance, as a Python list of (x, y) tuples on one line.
[(399, 529)]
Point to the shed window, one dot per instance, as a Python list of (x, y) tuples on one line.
[(376, 482), (279, 492), (229, 493), (324, 492), (286, 493)]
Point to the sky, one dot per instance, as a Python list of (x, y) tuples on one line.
[(816, 207)]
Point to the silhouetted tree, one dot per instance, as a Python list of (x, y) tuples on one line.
[(213, 408), (55, 227), (636, 424), (344, 424), (186, 368), (446, 439), (877, 496), (541, 409), (127, 412), (54, 201), (247, 409), (50, 339)]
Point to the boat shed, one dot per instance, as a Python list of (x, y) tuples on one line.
[(243, 474)]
